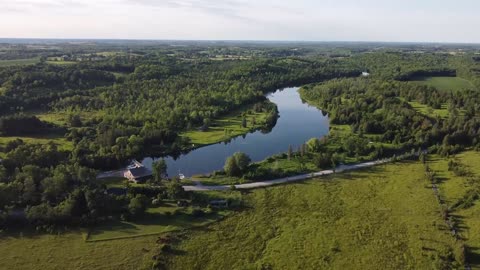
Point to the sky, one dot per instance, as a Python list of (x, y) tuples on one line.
[(298, 20)]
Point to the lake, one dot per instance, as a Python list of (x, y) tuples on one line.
[(298, 123)]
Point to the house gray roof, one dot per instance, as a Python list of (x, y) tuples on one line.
[(140, 172)]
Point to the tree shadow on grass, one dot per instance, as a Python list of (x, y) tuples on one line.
[(152, 223), (177, 252), (473, 256)]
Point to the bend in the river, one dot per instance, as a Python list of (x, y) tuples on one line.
[(298, 123)]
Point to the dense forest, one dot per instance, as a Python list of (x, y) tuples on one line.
[(136, 102)]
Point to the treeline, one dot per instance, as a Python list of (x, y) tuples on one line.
[(36, 86), (41, 187), (156, 103), (153, 97), (18, 125), (381, 108)]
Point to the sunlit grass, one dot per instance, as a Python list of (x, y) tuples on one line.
[(453, 188), (446, 83), (19, 62), (227, 127), (429, 111), (385, 216)]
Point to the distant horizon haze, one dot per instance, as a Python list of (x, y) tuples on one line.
[(409, 21)]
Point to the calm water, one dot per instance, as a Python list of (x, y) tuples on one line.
[(298, 123)]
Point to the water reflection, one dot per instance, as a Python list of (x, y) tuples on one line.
[(298, 122)]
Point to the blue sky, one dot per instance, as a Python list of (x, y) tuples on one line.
[(321, 20)]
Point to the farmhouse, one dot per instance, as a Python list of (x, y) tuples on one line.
[(137, 174)]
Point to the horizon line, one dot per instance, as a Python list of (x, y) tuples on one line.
[(240, 40)]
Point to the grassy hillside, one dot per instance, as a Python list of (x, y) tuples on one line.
[(381, 218)]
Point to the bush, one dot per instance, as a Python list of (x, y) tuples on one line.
[(198, 213)]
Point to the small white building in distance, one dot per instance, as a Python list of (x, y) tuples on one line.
[(365, 74)]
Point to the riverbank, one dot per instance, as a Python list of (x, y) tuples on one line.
[(242, 121), (259, 145), (297, 178)]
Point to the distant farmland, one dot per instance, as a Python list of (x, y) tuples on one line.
[(19, 62), (446, 83)]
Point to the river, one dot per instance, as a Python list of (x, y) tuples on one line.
[(298, 123)]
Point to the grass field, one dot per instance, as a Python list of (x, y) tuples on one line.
[(61, 63), (157, 220), (446, 83), (120, 245), (232, 123), (454, 188), (429, 111), (19, 62), (61, 118), (70, 251), (382, 218), (61, 142)]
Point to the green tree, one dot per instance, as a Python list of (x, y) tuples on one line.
[(3, 174), (207, 123), (314, 145), (242, 160), (137, 205), (244, 122), (231, 167), (159, 169), (175, 190), (75, 120)]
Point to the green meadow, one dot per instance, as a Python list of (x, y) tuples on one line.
[(459, 188), (19, 62), (446, 83), (429, 111), (386, 217), (71, 251), (227, 127), (157, 220), (61, 142), (113, 245), (61, 63)]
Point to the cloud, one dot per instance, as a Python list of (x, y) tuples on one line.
[(35, 5), (225, 8)]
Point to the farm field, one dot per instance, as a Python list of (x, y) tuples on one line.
[(381, 218), (19, 62), (446, 83), (61, 62)]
